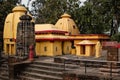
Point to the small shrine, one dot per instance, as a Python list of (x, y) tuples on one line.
[(85, 48)]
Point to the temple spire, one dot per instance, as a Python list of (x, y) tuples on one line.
[(19, 2)]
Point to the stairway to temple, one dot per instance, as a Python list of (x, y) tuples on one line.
[(39, 69), (45, 70), (4, 70)]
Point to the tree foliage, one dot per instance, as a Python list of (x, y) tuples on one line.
[(116, 37), (49, 11), (95, 16), (98, 16)]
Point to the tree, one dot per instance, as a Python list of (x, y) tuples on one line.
[(116, 37), (99, 16), (49, 11), (94, 17)]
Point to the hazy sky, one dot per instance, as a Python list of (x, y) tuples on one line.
[(25, 2)]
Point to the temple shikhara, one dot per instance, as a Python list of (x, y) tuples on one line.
[(55, 51), (53, 39)]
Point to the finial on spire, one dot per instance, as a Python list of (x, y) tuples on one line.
[(19, 2)]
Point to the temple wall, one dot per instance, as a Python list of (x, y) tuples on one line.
[(9, 47), (67, 47), (48, 48), (57, 48), (44, 48)]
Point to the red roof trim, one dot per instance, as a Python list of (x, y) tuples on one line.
[(90, 35), (49, 39), (84, 44), (50, 31), (52, 39), (89, 39)]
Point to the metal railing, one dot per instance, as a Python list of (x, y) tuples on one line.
[(86, 63)]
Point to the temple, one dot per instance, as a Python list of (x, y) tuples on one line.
[(53, 39)]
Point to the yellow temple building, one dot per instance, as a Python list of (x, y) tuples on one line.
[(52, 40)]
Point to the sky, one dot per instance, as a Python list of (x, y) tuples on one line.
[(26, 1)]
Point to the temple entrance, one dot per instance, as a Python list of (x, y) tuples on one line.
[(86, 48), (82, 50)]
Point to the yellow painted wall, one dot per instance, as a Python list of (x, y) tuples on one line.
[(73, 51), (8, 35), (50, 48), (9, 47), (87, 50), (78, 51), (67, 47), (8, 27), (57, 48), (98, 49), (40, 48)]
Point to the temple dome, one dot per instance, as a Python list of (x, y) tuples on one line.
[(19, 8), (67, 24), (65, 15)]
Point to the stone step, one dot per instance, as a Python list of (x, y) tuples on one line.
[(108, 70), (51, 68), (2, 61), (40, 76), (23, 77), (4, 65), (55, 64), (108, 74), (44, 71), (4, 77), (4, 71), (108, 66), (3, 68)]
